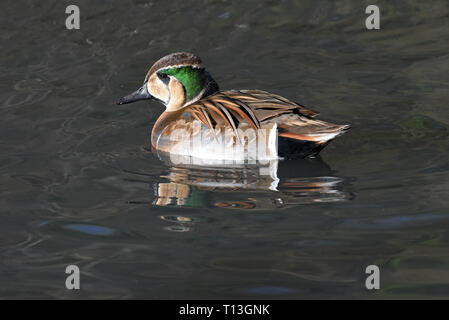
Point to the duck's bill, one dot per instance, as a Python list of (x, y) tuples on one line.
[(140, 94)]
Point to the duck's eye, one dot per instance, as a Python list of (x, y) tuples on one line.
[(162, 76)]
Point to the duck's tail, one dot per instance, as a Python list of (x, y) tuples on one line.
[(319, 135), (319, 131), (308, 134)]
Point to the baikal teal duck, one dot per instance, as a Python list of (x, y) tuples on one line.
[(203, 122)]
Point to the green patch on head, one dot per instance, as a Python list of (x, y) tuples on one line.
[(191, 78)]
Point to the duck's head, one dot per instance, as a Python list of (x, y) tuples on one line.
[(176, 81)]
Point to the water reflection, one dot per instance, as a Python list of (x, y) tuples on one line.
[(272, 184)]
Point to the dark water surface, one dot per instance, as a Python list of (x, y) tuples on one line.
[(80, 186)]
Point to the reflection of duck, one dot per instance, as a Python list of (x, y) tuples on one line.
[(203, 122), (256, 186)]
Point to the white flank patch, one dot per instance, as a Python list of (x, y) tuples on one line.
[(251, 147)]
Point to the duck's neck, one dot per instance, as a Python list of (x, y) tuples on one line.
[(179, 98), (210, 87)]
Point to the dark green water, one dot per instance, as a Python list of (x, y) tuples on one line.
[(79, 186)]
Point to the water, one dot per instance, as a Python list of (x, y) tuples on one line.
[(80, 186)]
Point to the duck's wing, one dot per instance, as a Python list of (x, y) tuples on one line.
[(250, 106), (268, 105)]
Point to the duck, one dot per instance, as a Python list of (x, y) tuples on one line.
[(203, 122)]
